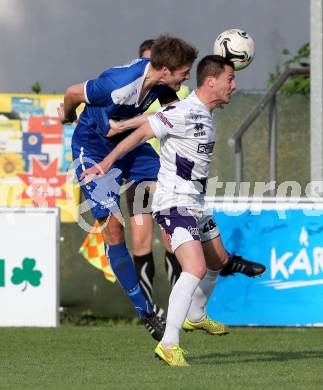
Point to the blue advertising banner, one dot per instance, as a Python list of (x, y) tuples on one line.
[(288, 239)]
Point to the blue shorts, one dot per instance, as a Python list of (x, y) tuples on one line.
[(103, 193)]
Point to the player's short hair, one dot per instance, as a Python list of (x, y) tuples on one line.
[(172, 52), (145, 45), (211, 65)]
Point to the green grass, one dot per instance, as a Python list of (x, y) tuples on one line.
[(120, 356)]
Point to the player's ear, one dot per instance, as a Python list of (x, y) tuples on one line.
[(211, 81), (165, 71)]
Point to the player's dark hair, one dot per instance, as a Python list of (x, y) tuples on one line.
[(172, 52), (211, 65), (145, 45)]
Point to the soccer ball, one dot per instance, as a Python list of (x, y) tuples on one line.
[(237, 46)]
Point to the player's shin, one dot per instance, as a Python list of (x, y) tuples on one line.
[(122, 266), (179, 303), (202, 293), (145, 270)]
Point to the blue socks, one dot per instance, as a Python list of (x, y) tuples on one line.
[(123, 267)]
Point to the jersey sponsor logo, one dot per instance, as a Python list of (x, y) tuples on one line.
[(133, 93), (126, 94), (199, 130), (164, 120), (126, 98), (199, 134), (205, 148), (195, 116), (198, 126), (194, 231)]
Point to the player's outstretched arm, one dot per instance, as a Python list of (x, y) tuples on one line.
[(74, 96), (117, 127), (141, 135)]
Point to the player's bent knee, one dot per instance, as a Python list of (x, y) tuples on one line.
[(114, 238), (142, 244), (112, 231), (198, 270)]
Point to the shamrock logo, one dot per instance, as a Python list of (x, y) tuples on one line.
[(26, 274)]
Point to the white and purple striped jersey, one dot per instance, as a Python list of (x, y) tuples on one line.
[(187, 134)]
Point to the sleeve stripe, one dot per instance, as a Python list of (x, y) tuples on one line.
[(85, 94)]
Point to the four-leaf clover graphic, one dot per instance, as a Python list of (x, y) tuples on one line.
[(26, 274)]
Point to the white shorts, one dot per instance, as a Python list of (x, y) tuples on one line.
[(182, 225)]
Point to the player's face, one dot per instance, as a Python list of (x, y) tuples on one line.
[(225, 85), (175, 78)]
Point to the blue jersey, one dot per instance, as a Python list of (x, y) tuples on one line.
[(115, 95)]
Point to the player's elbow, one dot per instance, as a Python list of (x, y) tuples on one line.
[(75, 93), (147, 132)]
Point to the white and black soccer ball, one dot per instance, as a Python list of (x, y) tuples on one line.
[(237, 46)]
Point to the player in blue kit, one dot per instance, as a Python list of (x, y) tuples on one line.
[(122, 93)]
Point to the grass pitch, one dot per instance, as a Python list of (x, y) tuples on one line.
[(120, 356)]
